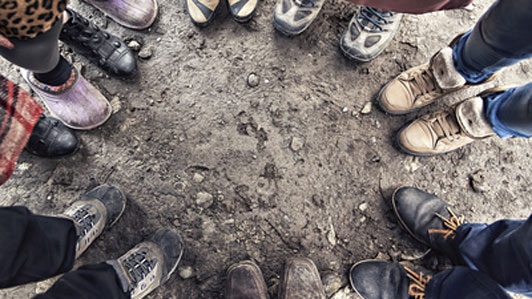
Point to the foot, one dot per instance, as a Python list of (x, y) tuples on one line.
[(446, 130), (373, 279), (202, 12), (134, 14), (428, 219), (77, 103), (51, 139), (94, 212), (100, 47), (245, 281), (292, 17), (369, 33), (150, 264), (242, 10), (301, 280)]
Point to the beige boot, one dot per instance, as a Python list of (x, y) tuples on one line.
[(446, 130), (422, 85)]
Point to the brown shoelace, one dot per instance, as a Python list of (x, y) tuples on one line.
[(417, 284), (452, 223), (423, 83), (446, 129)]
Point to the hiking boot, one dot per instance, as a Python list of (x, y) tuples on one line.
[(134, 14), (149, 264), (77, 103), (369, 33), (100, 47), (301, 280), (372, 279), (202, 12), (292, 17), (242, 10), (245, 281), (51, 139), (446, 130), (428, 219), (94, 212)]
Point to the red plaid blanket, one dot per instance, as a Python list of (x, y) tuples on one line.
[(19, 113)]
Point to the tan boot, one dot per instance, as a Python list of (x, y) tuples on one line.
[(422, 85), (446, 130)]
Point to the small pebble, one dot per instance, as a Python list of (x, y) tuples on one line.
[(146, 53), (366, 109), (134, 45), (253, 80)]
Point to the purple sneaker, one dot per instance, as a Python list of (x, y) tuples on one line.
[(77, 103), (134, 14)]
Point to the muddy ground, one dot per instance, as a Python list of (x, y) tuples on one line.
[(289, 167)]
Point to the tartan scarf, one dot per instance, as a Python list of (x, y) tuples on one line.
[(19, 113)]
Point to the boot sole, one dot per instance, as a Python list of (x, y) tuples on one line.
[(403, 224)]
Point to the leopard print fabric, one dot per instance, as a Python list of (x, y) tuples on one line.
[(23, 19)]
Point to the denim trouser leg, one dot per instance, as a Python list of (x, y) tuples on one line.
[(501, 250), (500, 38), (510, 113), (462, 282)]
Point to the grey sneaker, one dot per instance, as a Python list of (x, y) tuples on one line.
[(94, 212), (292, 17), (149, 264), (369, 33)]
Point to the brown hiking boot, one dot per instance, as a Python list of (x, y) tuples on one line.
[(446, 130), (244, 281), (422, 85), (301, 280)]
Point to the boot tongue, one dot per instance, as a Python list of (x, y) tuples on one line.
[(472, 119)]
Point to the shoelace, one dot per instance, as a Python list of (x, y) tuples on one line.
[(444, 126), (418, 283), (452, 223), (138, 266), (423, 84), (84, 219), (368, 15)]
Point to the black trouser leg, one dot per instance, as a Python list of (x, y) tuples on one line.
[(33, 247), (88, 282)]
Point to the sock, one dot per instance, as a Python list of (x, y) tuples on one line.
[(58, 76)]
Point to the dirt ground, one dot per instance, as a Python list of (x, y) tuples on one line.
[(287, 168)]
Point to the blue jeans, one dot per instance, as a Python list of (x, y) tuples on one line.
[(502, 37), (498, 257)]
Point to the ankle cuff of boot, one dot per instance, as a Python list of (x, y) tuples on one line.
[(55, 89), (472, 118), (444, 70)]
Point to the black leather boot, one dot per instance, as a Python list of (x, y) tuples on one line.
[(428, 219), (106, 50), (51, 139), (374, 279)]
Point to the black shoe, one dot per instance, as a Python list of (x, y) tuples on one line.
[(428, 219), (373, 279), (100, 47), (50, 138)]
